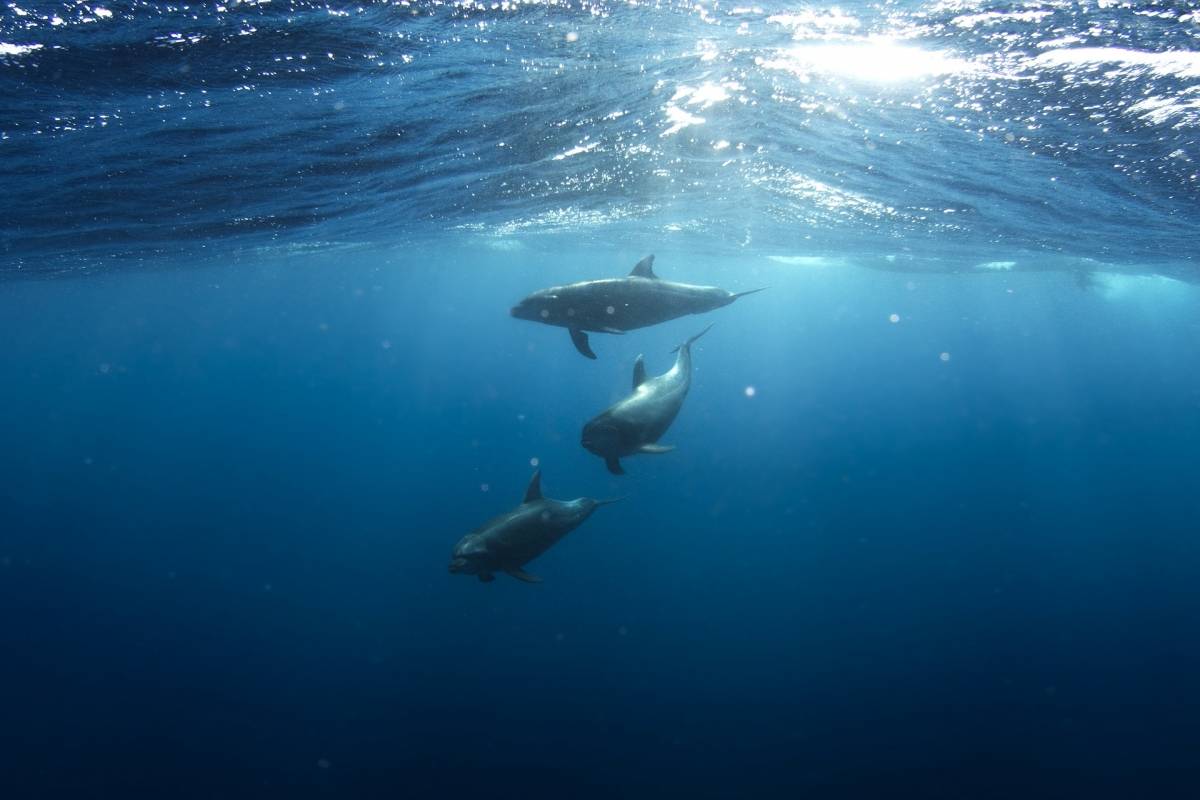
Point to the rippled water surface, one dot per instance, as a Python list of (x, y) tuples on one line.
[(930, 135)]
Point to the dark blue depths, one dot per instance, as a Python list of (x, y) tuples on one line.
[(229, 497)]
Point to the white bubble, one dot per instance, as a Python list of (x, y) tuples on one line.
[(894, 318), (484, 487), (572, 37), (533, 462), (610, 310), (750, 391), (544, 313), (944, 356)]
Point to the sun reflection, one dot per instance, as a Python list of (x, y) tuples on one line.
[(873, 60)]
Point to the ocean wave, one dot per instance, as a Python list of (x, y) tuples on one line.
[(135, 130)]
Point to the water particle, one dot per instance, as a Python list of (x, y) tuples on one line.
[(610, 310), (386, 344), (910, 285), (484, 487), (572, 37), (622, 631), (544, 313), (520, 417), (944, 356), (894, 318), (105, 368), (87, 462), (558, 637), (533, 462), (323, 327), (750, 391), (324, 763)]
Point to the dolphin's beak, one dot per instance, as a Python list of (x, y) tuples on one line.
[(457, 564)]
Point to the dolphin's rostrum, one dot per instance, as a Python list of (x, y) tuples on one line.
[(616, 305), (635, 424), (513, 539)]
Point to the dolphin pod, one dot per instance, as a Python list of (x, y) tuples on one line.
[(617, 305), (633, 425)]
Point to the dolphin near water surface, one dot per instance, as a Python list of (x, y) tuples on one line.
[(616, 305)]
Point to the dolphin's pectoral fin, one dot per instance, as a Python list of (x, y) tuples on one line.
[(580, 340), (645, 268), (639, 372), (486, 577), (614, 465), (656, 449), (522, 575)]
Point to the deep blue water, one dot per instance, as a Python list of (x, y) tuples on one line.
[(930, 529)]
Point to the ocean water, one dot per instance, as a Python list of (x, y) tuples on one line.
[(931, 525)]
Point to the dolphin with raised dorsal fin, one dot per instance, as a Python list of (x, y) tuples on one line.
[(510, 541), (616, 305), (635, 424)]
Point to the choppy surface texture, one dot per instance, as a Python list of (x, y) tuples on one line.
[(942, 132)]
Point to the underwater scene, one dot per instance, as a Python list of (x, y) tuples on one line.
[(599, 399)]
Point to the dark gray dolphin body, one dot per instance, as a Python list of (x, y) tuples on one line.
[(616, 305), (513, 539), (635, 424)]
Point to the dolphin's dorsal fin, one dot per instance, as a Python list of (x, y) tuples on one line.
[(639, 372), (645, 268), (534, 490)]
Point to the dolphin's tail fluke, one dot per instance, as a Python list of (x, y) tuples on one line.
[(736, 295), (688, 343)]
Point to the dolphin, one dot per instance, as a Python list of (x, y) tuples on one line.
[(616, 305), (513, 539), (635, 424)]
